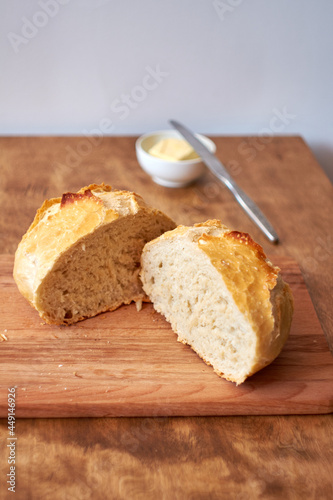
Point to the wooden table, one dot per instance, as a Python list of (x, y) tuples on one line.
[(240, 457)]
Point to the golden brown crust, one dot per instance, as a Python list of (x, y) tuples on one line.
[(94, 187), (40, 213), (215, 223), (68, 198), (258, 253), (246, 239)]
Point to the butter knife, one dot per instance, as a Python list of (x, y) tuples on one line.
[(216, 167)]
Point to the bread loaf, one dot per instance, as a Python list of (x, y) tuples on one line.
[(81, 255), (221, 295)]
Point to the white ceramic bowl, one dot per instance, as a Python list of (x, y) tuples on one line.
[(169, 173)]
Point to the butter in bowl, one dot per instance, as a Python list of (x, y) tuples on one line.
[(169, 159)]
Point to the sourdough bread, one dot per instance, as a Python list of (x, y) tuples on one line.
[(221, 295), (81, 255)]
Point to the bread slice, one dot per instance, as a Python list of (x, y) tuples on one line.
[(81, 255), (221, 295)]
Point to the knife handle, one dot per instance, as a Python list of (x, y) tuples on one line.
[(252, 210)]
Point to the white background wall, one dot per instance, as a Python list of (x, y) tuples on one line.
[(224, 67)]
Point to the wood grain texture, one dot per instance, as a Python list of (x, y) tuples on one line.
[(244, 457), (280, 174), (126, 363), (215, 458)]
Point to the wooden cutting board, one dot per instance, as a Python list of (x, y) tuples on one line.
[(126, 363)]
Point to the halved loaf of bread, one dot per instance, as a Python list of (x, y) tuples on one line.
[(81, 255), (221, 295)]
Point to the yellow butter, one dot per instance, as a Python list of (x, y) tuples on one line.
[(173, 149)]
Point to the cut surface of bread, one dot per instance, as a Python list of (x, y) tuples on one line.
[(81, 255), (221, 295)]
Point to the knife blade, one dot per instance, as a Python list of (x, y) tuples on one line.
[(219, 170)]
